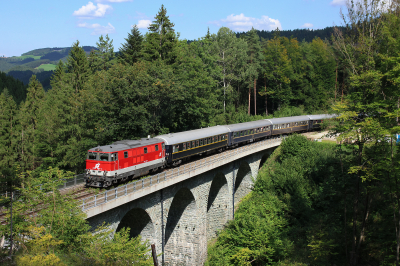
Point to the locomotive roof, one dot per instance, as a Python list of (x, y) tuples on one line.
[(125, 145), (321, 116), (179, 137), (249, 125), (283, 120)]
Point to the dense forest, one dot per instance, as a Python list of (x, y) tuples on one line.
[(329, 204), (321, 205), (300, 34)]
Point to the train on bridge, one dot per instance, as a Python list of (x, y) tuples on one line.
[(128, 159)]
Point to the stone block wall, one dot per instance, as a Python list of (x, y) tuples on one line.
[(187, 214)]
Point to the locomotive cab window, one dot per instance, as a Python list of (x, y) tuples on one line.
[(156, 147), (163, 146), (114, 156), (125, 154), (103, 156), (92, 156)]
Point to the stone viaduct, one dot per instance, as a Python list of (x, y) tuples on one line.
[(181, 214)]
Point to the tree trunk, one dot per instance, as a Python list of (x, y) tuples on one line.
[(255, 97), (368, 201), (248, 112), (336, 80), (266, 96)]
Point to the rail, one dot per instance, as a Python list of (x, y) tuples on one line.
[(76, 180), (132, 187)]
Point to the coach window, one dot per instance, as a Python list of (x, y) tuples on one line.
[(209, 140), (184, 146), (125, 154), (193, 144), (177, 148), (197, 143), (145, 150), (201, 142), (188, 145)]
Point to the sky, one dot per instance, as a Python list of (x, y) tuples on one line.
[(26, 25)]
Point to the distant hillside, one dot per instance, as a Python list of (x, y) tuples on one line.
[(40, 62)]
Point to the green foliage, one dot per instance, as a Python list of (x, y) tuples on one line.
[(14, 87), (257, 236), (50, 229), (161, 39), (8, 133), (292, 214), (99, 249), (130, 52)]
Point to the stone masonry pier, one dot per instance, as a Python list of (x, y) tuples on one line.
[(180, 210)]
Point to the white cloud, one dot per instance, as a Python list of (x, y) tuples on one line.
[(143, 23), (338, 3), (113, 1), (243, 23), (92, 11), (97, 28), (307, 25)]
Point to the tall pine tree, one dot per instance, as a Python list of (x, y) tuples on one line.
[(28, 117), (8, 133), (130, 52), (161, 39)]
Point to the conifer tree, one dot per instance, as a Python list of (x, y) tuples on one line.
[(101, 59), (8, 133), (161, 39), (130, 51), (77, 67), (28, 117)]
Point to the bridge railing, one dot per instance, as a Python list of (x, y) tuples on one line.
[(112, 194)]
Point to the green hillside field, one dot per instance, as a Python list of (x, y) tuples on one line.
[(22, 57), (47, 67)]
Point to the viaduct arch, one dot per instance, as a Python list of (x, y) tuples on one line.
[(182, 218)]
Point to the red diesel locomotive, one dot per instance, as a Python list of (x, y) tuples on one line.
[(122, 160)]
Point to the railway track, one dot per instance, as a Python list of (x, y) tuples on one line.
[(81, 192)]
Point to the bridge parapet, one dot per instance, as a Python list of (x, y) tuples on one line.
[(118, 196)]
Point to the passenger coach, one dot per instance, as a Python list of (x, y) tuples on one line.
[(181, 146), (248, 132), (286, 125)]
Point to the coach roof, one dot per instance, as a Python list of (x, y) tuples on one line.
[(283, 120), (321, 116), (179, 137), (249, 125)]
